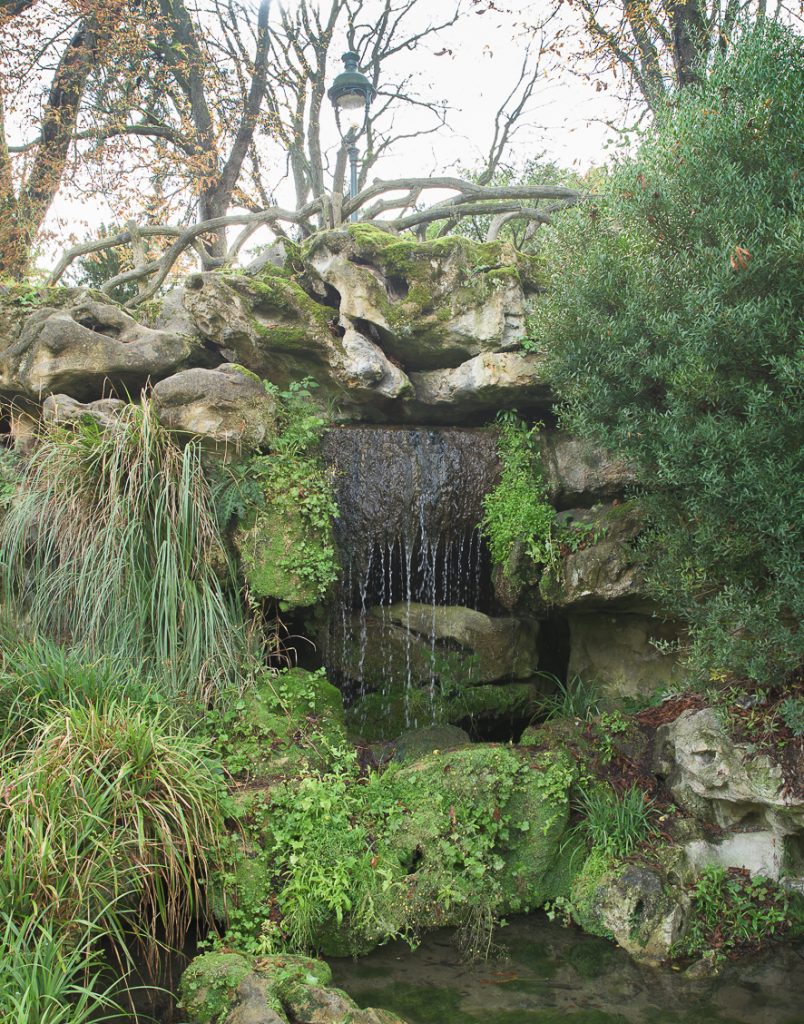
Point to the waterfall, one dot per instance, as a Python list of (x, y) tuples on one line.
[(410, 501)]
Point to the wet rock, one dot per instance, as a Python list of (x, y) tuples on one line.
[(578, 473), (88, 347), (619, 652), (725, 782), (61, 410), (226, 406), (384, 716), (501, 648)]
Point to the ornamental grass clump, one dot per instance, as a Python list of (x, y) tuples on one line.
[(111, 816), (111, 545)]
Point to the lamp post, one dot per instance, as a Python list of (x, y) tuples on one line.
[(351, 91)]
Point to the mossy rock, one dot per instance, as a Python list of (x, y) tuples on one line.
[(281, 728), (417, 743), (275, 546), (587, 891), (539, 812), (209, 985)]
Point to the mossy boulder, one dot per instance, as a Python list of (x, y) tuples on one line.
[(209, 986), (280, 553), (229, 988), (284, 726), (635, 904), (417, 743)]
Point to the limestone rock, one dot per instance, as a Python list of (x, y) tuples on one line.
[(269, 324), (722, 781), (760, 853), (634, 904), (87, 347), (617, 651), (227, 406), (62, 410), (578, 473), (254, 1000), (435, 303), (482, 384), (600, 571)]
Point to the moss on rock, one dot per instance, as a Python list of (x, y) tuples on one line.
[(209, 985)]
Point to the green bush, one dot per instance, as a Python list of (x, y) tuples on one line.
[(616, 824), (672, 330)]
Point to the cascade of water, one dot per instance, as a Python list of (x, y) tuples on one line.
[(410, 500)]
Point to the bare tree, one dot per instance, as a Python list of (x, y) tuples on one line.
[(397, 196)]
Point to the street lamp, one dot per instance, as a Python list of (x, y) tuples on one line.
[(351, 91)]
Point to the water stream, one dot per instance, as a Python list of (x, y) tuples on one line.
[(410, 501), (555, 975)]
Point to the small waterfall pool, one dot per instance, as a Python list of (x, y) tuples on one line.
[(556, 975)]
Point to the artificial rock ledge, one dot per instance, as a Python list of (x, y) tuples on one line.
[(392, 330)]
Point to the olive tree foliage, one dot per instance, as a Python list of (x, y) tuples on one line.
[(649, 49), (673, 334)]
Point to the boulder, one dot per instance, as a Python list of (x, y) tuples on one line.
[(725, 782), (618, 651), (418, 743), (61, 410), (230, 988), (87, 347), (226, 406), (578, 473), (598, 568), (634, 904)]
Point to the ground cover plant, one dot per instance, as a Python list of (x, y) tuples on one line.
[(671, 331)]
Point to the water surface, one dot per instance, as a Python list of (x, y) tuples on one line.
[(555, 975)]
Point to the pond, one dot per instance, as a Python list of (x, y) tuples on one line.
[(555, 975)]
